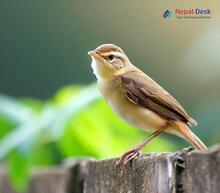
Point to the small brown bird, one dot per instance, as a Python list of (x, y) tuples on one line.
[(138, 99)]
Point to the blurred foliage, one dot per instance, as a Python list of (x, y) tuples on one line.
[(75, 122)]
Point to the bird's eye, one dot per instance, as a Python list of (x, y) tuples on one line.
[(111, 57)]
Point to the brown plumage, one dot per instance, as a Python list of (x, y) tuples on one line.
[(138, 99), (108, 48), (150, 95)]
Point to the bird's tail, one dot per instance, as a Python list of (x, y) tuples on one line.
[(187, 134)]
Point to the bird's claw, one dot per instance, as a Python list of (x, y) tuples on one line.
[(126, 157)]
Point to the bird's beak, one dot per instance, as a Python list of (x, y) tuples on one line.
[(93, 53)]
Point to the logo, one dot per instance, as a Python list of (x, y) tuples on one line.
[(192, 13), (167, 14)]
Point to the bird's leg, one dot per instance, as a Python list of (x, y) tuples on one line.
[(129, 155)]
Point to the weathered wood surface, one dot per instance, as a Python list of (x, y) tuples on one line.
[(181, 172)]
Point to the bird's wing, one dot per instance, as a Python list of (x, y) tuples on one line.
[(142, 90)]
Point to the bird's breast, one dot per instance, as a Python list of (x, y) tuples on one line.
[(133, 114)]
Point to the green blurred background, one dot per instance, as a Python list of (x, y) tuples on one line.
[(50, 109)]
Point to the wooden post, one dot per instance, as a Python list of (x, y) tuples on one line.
[(181, 172)]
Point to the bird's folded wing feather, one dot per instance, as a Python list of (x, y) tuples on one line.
[(142, 90)]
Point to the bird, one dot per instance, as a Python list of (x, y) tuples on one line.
[(139, 100)]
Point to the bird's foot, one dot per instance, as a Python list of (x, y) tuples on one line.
[(126, 157)]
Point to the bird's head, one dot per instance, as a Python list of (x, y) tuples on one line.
[(108, 60)]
